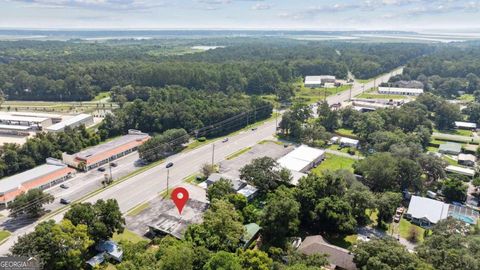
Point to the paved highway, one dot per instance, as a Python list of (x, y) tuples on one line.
[(151, 183)]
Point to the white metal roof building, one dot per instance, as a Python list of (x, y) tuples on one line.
[(465, 125), (75, 121), (344, 141), (400, 91), (55, 117), (317, 81), (29, 121), (460, 170), (302, 159), (426, 212)]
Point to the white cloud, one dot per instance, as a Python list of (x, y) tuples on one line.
[(261, 6)]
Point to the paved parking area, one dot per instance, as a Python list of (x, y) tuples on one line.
[(270, 149), (163, 215)]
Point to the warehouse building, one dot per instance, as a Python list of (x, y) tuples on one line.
[(99, 155), (42, 177), (319, 81), (81, 119), (300, 161), (56, 118), (38, 123), (400, 91), (14, 130)]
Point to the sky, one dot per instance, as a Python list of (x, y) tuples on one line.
[(241, 14)]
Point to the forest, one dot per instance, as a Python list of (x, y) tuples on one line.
[(76, 71), (449, 71)]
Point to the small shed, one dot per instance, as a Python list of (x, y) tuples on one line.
[(348, 142), (467, 159), (248, 191), (252, 231), (465, 125), (450, 148)]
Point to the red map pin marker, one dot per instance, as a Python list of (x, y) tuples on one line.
[(180, 198)]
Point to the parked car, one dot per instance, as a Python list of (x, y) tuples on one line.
[(396, 218), (65, 201), (225, 140), (113, 164), (253, 129), (101, 169), (64, 186)]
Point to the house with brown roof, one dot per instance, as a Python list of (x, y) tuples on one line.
[(338, 257)]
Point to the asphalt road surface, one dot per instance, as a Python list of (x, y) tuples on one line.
[(145, 186)]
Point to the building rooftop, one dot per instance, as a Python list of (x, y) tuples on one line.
[(102, 148), (348, 140), (236, 183), (430, 209), (401, 89), (460, 170), (36, 114), (14, 127), (8, 117), (450, 147), (299, 158), (68, 122), (317, 79), (15, 181), (460, 124), (251, 230), (469, 157), (337, 256), (247, 191)]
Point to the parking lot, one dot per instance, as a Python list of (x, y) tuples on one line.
[(270, 149)]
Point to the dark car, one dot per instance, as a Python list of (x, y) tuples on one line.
[(64, 186), (113, 164), (170, 164), (65, 201), (101, 169)]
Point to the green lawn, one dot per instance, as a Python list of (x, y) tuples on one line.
[(450, 161), (404, 229), (239, 153), (270, 141), (461, 132), (432, 149), (192, 179), (344, 241), (364, 80), (4, 235), (312, 95), (138, 209), (466, 97), (345, 132), (101, 96), (128, 235), (333, 163)]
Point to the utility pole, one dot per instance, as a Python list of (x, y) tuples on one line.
[(168, 166), (110, 169), (168, 175), (213, 154)]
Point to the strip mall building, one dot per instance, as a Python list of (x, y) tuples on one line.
[(42, 177), (101, 154)]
